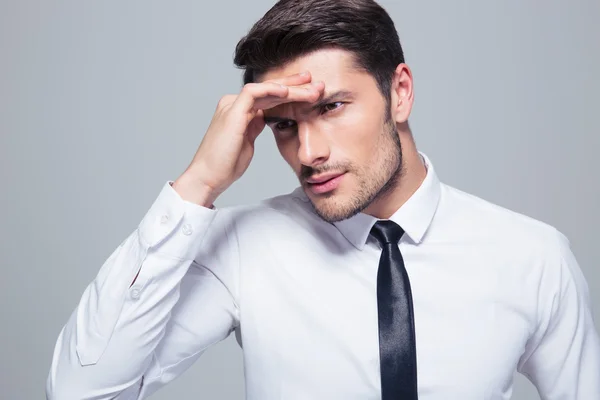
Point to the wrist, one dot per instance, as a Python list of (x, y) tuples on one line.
[(194, 191)]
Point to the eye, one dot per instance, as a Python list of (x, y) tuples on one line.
[(283, 125), (331, 106)]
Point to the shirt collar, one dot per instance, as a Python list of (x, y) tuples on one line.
[(414, 216)]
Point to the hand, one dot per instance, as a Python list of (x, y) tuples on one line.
[(228, 145)]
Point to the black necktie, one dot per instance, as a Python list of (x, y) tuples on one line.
[(397, 346)]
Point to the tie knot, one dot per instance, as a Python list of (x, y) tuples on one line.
[(387, 232)]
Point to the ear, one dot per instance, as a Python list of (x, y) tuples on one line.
[(401, 93)]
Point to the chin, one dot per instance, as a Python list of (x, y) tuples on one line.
[(335, 206)]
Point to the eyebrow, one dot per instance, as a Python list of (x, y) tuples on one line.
[(331, 98)]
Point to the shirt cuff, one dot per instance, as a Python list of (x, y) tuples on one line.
[(175, 226)]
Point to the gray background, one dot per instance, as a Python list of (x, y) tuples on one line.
[(101, 102)]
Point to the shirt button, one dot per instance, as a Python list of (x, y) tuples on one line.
[(135, 292), (164, 219), (187, 230)]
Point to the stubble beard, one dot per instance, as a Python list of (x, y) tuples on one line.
[(372, 184)]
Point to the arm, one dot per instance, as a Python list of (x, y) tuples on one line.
[(562, 359), (122, 333), (131, 333)]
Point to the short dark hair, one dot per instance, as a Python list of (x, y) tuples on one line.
[(293, 28)]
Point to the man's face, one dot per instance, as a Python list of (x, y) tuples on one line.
[(346, 152)]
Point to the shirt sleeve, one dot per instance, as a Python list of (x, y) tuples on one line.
[(125, 340), (562, 358)]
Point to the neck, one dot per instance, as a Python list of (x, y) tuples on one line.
[(414, 172)]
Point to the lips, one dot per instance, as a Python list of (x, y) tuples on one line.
[(322, 178), (324, 183)]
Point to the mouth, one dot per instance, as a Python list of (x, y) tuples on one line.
[(324, 183)]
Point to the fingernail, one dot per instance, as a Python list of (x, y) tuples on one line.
[(305, 73)]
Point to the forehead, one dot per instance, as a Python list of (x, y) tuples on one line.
[(335, 67)]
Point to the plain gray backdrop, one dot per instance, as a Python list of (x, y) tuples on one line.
[(102, 102)]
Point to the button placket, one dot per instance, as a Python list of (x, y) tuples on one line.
[(135, 292)]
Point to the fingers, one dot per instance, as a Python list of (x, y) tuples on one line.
[(252, 91), (255, 127), (270, 94), (294, 80), (305, 93)]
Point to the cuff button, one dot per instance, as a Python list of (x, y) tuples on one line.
[(187, 230)]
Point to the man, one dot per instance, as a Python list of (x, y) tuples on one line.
[(371, 280)]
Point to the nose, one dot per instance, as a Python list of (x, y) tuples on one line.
[(314, 148)]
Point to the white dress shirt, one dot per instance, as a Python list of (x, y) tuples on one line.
[(494, 292)]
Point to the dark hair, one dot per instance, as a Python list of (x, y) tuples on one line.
[(293, 28)]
